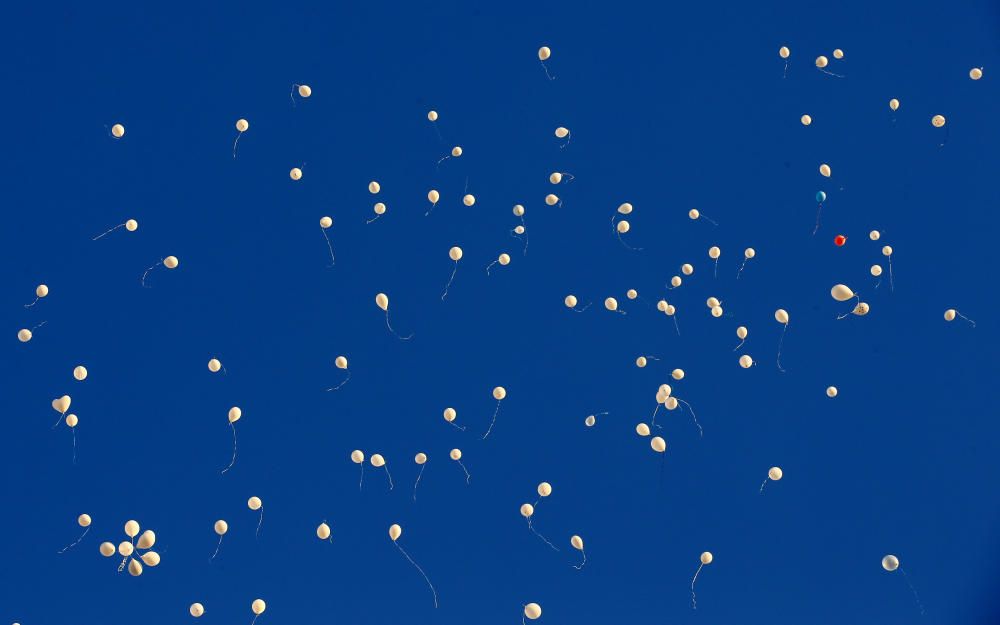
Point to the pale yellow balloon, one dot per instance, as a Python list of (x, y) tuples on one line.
[(171, 262), (455, 253), (379, 208), (395, 531), (305, 91), (432, 115), (433, 196), (118, 131), (357, 456), (544, 53), (518, 210), (746, 361), (107, 550), (499, 393), (625, 209), (887, 250), (874, 235), (323, 531), (450, 414), (950, 314), (676, 281), (80, 372), (420, 458), (132, 529), (146, 540), (784, 52), (41, 290), (382, 301), (197, 610), (841, 292), (894, 104), (62, 404), (640, 362), (838, 53), (741, 332), (254, 503), (235, 414), (551, 199), (577, 542), (938, 121), (214, 365), (150, 558), (83, 520), (221, 527), (555, 177), (717, 311), (677, 374), (590, 421), (258, 606), (24, 335), (562, 132), (134, 568), (631, 294), (861, 309), (545, 489), (706, 557), (72, 421), (670, 310), (890, 563), (876, 270), (131, 225), (242, 125), (714, 252), (821, 62), (374, 187), (519, 229), (340, 362), (806, 120), (642, 429), (623, 226), (611, 304), (125, 548), (456, 151), (469, 199), (824, 170), (377, 460), (774, 473), (976, 73), (455, 454), (570, 301), (503, 259), (295, 173), (527, 510), (831, 391), (687, 269), (781, 316), (532, 611), (658, 444)]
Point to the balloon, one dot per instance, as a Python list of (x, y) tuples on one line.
[(658, 444), (131, 225), (340, 362), (577, 542), (677, 374), (147, 540), (449, 414), (590, 421), (305, 91), (519, 229), (806, 120), (625, 208), (640, 362), (861, 309), (395, 531), (242, 125), (107, 550), (544, 489), (83, 520), (876, 270), (938, 121), (518, 210), (887, 250), (234, 414), (503, 259), (71, 420), (80, 373), (254, 503), (420, 458), (433, 196), (551, 199), (358, 456), (570, 301), (527, 510), (874, 235), (687, 269), (469, 199), (374, 187), (693, 213), (24, 335), (382, 301), (432, 115), (41, 290), (323, 531), (716, 311), (894, 104), (295, 173), (623, 226), (379, 208), (62, 404), (746, 361), (631, 294), (714, 252), (781, 315), (325, 222), (838, 53), (741, 332), (976, 73), (118, 131), (197, 610), (642, 429), (821, 196), (890, 563), (611, 304), (150, 558), (821, 62), (455, 454), (671, 403), (214, 365), (456, 151), (784, 52), (258, 606), (949, 315), (544, 53), (841, 293), (831, 391), (377, 460), (561, 132), (499, 393), (134, 568), (824, 170), (532, 611), (221, 527), (455, 253), (706, 557), (132, 529), (171, 262), (774, 473), (125, 548)]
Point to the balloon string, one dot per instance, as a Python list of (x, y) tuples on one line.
[(61, 415), (446, 157), (468, 477), (490, 266), (460, 427), (75, 543), (580, 566), (914, 590), (568, 139), (740, 345), (217, 547), (550, 76), (762, 484), (233, 461), (693, 416), (256, 615), (966, 318), (329, 245), (544, 539), (238, 135), (292, 94), (525, 252), (715, 272), (260, 522), (74, 447), (627, 246), (490, 429), (104, 234), (362, 480), (447, 286), (694, 601), (388, 475), (780, 342), (417, 483), (373, 219), (708, 220), (785, 75), (652, 422), (947, 135), (571, 177), (580, 310), (742, 265), (143, 279), (677, 327), (890, 273), (839, 317), (401, 338), (32, 303), (818, 211), (342, 383), (429, 210), (830, 73), (426, 579)]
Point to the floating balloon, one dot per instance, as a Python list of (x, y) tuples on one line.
[(658, 444), (839, 240), (838, 54), (677, 374), (544, 489), (220, 527), (824, 170), (379, 463), (254, 503), (784, 53), (449, 416), (134, 568), (543, 55), (305, 90), (976, 73), (774, 474), (432, 116), (421, 460), (894, 104), (395, 531), (806, 120), (717, 311), (746, 361), (325, 223), (951, 314), (714, 252), (747, 255), (874, 235), (741, 334), (861, 309), (706, 558), (469, 199), (234, 415), (831, 391), (295, 173), (258, 606), (170, 262), (455, 253), (577, 543), (83, 521), (323, 532), (528, 512), (821, 63), (841, 293), (432, 196), (146, 540), (341, 363), (214, 365), (887, 252), (382, 301), (80, 373), (242, 126), (694, 214), (107, 550), (502, 259), (938, 121), (687, 269), (117, 131), (552, 199), (532, 611), (499, 393), (642, 429), (24, 335), (40, 292), (890, 563), (197, 610), (358, 457)]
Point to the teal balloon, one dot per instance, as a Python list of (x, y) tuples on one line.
[(820, 196)]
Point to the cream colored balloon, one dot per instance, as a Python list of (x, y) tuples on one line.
[(527, 510), (640, 362), (874, 235), (146, 540), (150, 558), (555, 177), (950, 314), (118, 131), (197, 610), (677, 374), (71, 420), (876, 270), (890, 563), (611, 304), (894, 104), (676, 281), (544, 53), (305, 91), (838, 53), (234, 414), (499, 393), (295, 173), (325, 222), (254, 503), (662, 305), (258, 606), (551, 199), (545, 489), (83, 520), (746, 361), (841, 292), (590, 421), (642, 429), (976, 73), (687, 269), (80, 372), (518, 210), (134, 568), (24, 335), (323, 531), (570, 301), (781, 316), (432, 115), (340, 362), (706, 557), (382, 301), (532, 611), (741, 332), (714, 252), (455, 253), (433, 196), (420, 458), (625, 208), (456, 151), (784, 52), (377, 460), (519, 229), (717, 311), (221, 527), (887, 250), (41, 290), (831, 391), (357, 456), (125, 548), (503, 259), (824, 170), (623, 226), (806, 120), (374, 187), (395, 531), (861, 309), (577, 542), (822, 61), (450, 414), (214, 365), (107, 550), (455, 454), (171, 262), (132, 529), (469, 199), (131, 225), (938, 121), (561, 132), (242, 125), (62, 404), (775, 473), (658, 444)]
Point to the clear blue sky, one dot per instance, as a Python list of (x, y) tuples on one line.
[(670, 107)]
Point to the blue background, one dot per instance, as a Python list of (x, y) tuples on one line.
[(670, 107)]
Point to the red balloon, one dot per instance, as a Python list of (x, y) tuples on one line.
[(839, 240)]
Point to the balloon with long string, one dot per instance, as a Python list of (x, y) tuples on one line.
[(341, 363), (876, 271), (528, 511), (456, 152), (325, 223), (455, 254), (951, 314), (502, 259), (558, 177), (706, 558), (130, 224), (215, 365), (622, 227), (257, 607), (741, 334), (421, 460), (254, 503), (234, 415), (694, 214), (642, 361), (820, 198), (242, 126), (379, 209), (591, 420), (785, 53), (449, 415), (61, 405), (41, 291), (220, 527), (395, 531), (304, 91), (379, 463), (611, 304), (499, 393), (519, 230), (571, 302), (72, 421), (821, 63), (323, 532), (456, 455), (432, 196), (659, 445), (563, 133), (843, 293), (358, 458), (887, 252), (894, 106), (432, 117), (714, 253), (938, 121), (552, 200), (382, 301), (774, 474), (543, 55), (891, 563), (577, 543), (170, 262), (196, 610), (781, 316), (83, 521)]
